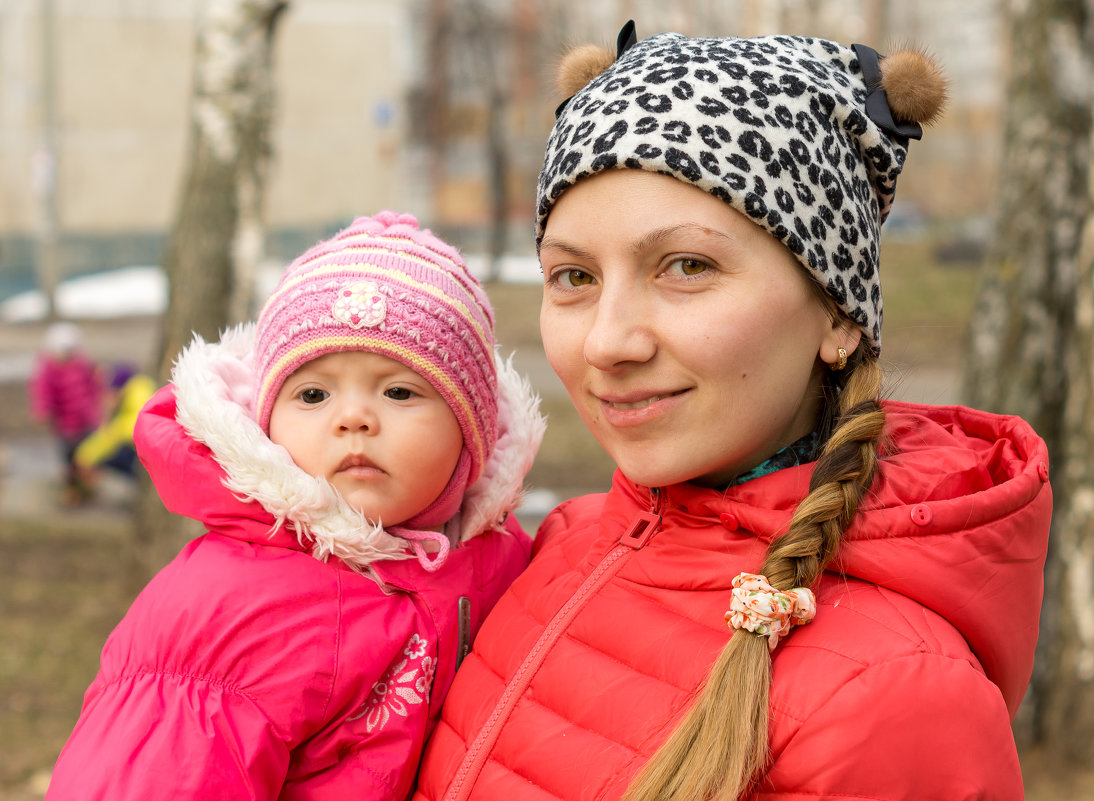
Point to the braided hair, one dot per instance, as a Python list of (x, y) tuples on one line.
[(868, 107), (720, 747)]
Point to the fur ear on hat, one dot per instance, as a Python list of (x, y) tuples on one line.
[(914, 85), (579, 66)]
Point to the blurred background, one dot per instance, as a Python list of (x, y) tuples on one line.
[(438, 107), (162, 160)]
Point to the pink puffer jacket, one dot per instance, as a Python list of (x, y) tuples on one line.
[(903, 687), (67, 394), (251, 669)]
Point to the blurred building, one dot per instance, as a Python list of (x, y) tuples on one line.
[(112, 79), (439, 107), (951, 171)]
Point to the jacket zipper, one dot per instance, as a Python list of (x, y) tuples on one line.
[(636, 536)]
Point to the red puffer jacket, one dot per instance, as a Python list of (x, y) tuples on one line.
[(903, 687)]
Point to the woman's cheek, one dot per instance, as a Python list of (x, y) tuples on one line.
[(562, 343)]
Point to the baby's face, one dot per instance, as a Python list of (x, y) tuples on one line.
[(374, 428)]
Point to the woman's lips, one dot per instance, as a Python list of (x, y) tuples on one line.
[(638, 408), (638, 404)]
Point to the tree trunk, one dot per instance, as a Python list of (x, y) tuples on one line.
[(215, 242), (435, 108), (497, 144), (1022, 351), (485, 31), (1069, 693)]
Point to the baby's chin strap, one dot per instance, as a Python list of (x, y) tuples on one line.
[(416, 537), (443, 512)]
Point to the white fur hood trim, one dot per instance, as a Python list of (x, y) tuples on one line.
[(213, 384)]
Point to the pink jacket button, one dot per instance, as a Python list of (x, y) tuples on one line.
[(1042, 471), (922, 514), (729, 521)]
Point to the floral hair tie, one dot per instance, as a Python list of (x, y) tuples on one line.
[(760, 608)]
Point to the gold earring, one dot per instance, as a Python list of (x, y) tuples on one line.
[(842, 353)]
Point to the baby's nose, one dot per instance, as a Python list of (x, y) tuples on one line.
[(357, 416)]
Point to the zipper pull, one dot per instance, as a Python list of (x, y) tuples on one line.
[(463, 636), (639, 532)]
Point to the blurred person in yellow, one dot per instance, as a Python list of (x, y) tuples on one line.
[(111, 444)]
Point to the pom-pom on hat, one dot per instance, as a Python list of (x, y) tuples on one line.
[(804, 136), (386, 286)]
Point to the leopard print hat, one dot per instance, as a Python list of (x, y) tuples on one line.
[(804, 136)]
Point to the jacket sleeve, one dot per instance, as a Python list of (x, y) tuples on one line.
[(116, 432), (169, 736), (922, 726), (185, 702), (103, 442)]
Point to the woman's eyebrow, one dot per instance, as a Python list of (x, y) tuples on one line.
[(646, 241), (660, 234), (557, 244)]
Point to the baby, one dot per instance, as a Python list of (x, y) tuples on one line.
[(355, 458)]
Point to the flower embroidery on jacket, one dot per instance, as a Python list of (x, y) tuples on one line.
[(415, 647), (405, 684)]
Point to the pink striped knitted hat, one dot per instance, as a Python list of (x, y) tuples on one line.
[(386, 286)]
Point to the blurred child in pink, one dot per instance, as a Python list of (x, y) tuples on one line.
[(66, 394)]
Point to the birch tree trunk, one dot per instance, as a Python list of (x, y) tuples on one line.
[(485, 31), (1069, 692), (1023, 352), (216, 240)]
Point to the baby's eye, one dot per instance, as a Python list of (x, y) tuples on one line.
[(688, 266), (314, 395), (399, 393), (572, 278)]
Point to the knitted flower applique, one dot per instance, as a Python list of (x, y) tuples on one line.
[(405, 684), (360, 305)]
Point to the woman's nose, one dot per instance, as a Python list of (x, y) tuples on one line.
[(622, 330)]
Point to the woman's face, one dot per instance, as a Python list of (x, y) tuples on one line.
[(690, 340)]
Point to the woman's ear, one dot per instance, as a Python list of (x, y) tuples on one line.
[(844, 335)]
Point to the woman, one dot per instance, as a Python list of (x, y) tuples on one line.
[(708, 224)]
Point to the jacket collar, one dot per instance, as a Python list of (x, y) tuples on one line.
[(958, 521)]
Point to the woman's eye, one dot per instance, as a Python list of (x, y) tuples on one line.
[(688, 267), (573, 278), (399, 393), (314, 395)]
